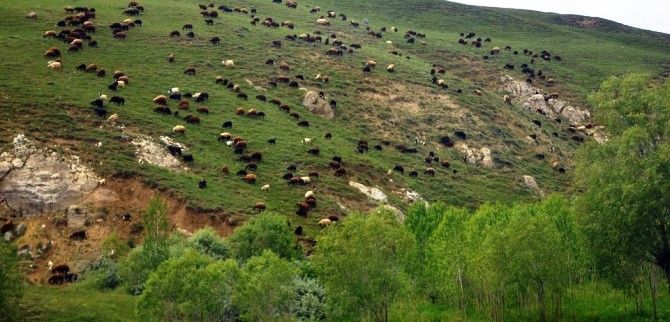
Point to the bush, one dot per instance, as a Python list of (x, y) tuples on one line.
[(192, 287), (207, 242), (310, 299), (102, 274), (265, 232)]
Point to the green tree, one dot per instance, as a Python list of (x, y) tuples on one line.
[(422, 221), (266, 289), (363, 262), (155, 248), (10, 284), (446, 256), (625, 209), (263, 232), (192, 287), (155, 219)]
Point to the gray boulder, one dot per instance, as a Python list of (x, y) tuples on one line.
[(317, 105)]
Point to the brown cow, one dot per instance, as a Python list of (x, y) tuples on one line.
[(259, 206), (340, 172), (250, 178)]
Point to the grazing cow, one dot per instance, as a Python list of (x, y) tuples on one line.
[(118, 100), (445, 164), (60, 269), (56, 279), (250, 178), (298, 230), (323, 223), (272, 141), (202, 184), (340, 172), (314, 151), (429, 171), (399, 168), (227, 125), (259, 206), (460, 135), (303, 123), (190, 71), (126, 217), (413, 174), (187, 158), (328, 136), (174, 150), (78, 235)]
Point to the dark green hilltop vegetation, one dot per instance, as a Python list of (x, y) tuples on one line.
[(537, 142)]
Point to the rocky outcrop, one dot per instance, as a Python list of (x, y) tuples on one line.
[(537, 103), (531, 184), (36, 180), (317, 105), (481, 157), (532, 98), (372, 192), (149, 151), (77, 216)]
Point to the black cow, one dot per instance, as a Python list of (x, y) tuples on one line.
[(460, 135), (227, 125), (60, 269), (187, 158), (97, 103), (174, 150), (118, 100), (78, 235), (202, 184), (102, 112)]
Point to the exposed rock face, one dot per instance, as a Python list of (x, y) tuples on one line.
[(371, 192), (530, 182), (317, 105), (475, 156), (37, 180), (532, 98), (76, 216), (149, 151), (537, 103)]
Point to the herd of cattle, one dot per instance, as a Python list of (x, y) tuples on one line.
[(81, 18)]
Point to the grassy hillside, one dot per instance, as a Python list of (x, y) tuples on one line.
[(53, 106)]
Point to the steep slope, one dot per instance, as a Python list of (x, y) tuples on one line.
[(402, 107)]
